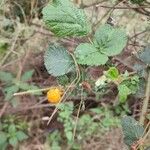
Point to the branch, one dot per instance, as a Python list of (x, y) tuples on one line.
[(119, 7), (146, 100), (3, 109), (93, 4)]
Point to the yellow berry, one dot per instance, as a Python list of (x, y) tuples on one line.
[(54, 95)]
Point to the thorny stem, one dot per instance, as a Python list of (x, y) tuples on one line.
[(146, 100)]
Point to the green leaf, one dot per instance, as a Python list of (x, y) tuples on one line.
[(3, 138), (25, 86), (9, 91), (12, 129), (145, 55), (112, 73), (110, 40), (27, 75), (133, 84), (63, 80), (69, 135), (124, 91), (3, 46), (127, 87), (55, 146), (96, 110), (58, 61), (21, 135), (13, 141), (87, 54), (14, 102), (132, 130), (4, 146), (140, 69), (64, 19), (6, 76), (85, 120)]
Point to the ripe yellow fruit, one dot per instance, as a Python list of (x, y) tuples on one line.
[(54, 95)]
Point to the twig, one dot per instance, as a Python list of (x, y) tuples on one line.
[(20, 109), (139, 10), (22, 11), (31, 91), (3, 109), (93, 4), (138, 34), (22, 63), (119, 7), (40, 105), (77, 117), (11, 49), (108, 12), (123, 62), (145, 134), (146, 100), (145, 130), (10, 63)]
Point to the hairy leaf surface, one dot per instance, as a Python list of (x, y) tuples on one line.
[(132, 130), (58, 61), (64, 19), (6, 76), (124, 91), (110, 40), (87, 54), (144, 55)]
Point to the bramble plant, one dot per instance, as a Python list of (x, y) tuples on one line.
[(97, 74), (126, 84), (64, 19), (12, 85), (87, 125), (12, 132)]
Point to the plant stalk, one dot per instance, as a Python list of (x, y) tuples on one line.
[(31, 91), (146, 100)]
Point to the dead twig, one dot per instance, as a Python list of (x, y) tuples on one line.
[(146, 100), (3, 109), (11, 49), (121, 7), (93, 4), (22, 63), (108, 12), (77, 117)]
